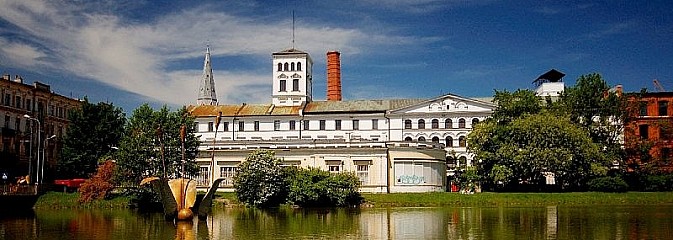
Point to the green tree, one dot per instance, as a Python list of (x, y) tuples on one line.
[(319, 188), (152, 144), (601, 112), (93, 133), (260, 181), (524, 141)]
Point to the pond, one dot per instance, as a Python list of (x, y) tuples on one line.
[(551, 222)]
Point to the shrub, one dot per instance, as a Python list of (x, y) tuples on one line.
[(318, 188), (100, 185), (260, 181), (607, 184), (657, 182)]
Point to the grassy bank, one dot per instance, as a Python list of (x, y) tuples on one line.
[(59, 200), (516, 199)]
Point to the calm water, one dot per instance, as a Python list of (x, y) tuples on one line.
[(605, 222)]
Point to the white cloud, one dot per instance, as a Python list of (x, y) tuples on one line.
[(133, 56), (21, 55)]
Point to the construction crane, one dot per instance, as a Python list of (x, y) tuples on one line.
[(658, 86)]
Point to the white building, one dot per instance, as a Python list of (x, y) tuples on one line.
[(393, 145)]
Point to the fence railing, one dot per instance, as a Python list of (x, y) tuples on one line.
[(15, 189)]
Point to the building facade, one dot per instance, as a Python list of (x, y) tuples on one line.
[(34, 119), (648, 132), (393, 145)]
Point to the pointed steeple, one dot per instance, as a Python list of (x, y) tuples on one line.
[(207, 94)]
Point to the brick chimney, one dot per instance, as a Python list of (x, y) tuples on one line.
[(333, 76)]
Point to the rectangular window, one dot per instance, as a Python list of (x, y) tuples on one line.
[(28, 105), (306, 124), (322, 124), (228, 174), (17, 125), (8, 99), (203, 177), (375, 124), (334, 168), (225, 126), (663, 108), (18, 102), (256, 126), (7, 121), (643, 130), (362, 172), (276, 125), (292, 125), (665, 154), (337, 124), (356, 124), (210, 126), (283, 87), (643, 108), (295, 85), (241, 126)]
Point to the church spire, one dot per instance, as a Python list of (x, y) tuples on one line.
[(207, 89)]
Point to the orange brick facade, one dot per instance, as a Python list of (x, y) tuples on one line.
[(648, 132)]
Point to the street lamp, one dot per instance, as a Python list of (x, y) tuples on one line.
[(30, 171), (44, 155)]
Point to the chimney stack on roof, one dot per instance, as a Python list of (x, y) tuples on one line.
[(333, 76)]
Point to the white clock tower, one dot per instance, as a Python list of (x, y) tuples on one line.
[(292, 78)]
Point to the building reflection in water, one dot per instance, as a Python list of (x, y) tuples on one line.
[(550, 222)]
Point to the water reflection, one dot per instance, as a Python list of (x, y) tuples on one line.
[(551, 222)]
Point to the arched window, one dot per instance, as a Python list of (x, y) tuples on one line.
[(421, 124), (280, 67), (408, 139), (462, 141), (461, 123), (435, 139), (474, 122), (448, 124), (299, 66), (407, 124), (462, 161), (435, 123), (286, 66), (449, 141), (421, 139), (292, 67)]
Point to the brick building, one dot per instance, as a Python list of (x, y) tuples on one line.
[(648, 131)]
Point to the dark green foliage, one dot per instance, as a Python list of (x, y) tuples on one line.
[(152, 145), (318, 188), (607, 184), (92, 134), (657, 182), (260, 181)]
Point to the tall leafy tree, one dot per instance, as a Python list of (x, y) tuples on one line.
[(524, 141), (601, 112), (93, 133), (152, 144)]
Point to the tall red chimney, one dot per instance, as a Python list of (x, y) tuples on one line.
[(333, 76)]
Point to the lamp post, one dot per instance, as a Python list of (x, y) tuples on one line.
[(30, 171), (44, 158)]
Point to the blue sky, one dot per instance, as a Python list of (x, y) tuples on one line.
[(134, 52)]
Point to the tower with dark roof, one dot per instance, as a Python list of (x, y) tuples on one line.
[(207, 94)]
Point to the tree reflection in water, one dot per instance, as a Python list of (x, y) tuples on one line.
[(544, 222)]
